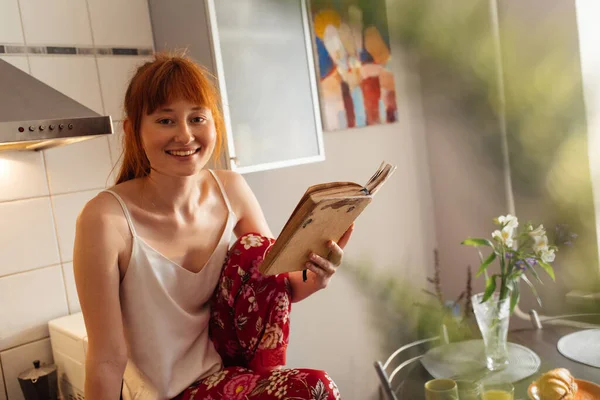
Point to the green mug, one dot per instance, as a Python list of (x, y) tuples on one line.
[(441, 389)]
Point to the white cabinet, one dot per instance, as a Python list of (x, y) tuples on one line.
[(261, 53)]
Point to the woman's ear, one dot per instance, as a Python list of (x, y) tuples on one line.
[(126, 125)]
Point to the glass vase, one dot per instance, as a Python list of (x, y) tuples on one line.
[(492, 318)]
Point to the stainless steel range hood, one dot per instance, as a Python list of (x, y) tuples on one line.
[(34, 116)]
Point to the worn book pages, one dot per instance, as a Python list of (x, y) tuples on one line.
[(324, 213)]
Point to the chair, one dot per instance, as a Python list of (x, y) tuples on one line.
[(538, 320), (381, 369)]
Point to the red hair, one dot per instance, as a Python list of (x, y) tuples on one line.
[(156, 83)]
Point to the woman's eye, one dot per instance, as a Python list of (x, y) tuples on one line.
[(165, 121), (198, 120)]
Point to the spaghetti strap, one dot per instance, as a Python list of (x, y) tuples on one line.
[(125, 211), (222, 190)]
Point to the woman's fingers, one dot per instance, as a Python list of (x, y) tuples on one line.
[(335, 253), (346, 237), (316, 270), (322, 264)]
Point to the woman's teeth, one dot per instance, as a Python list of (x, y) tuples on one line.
[(182, 153)]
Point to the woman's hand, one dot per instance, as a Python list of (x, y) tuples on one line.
[(324, 268)]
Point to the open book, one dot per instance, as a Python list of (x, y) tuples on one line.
[(324, 213)]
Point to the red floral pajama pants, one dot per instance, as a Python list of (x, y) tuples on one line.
[(250, 329)]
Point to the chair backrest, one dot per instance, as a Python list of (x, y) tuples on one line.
[(386, 384), (566, 320), (387, 380)]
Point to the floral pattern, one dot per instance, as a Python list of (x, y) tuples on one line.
[(249, 327), (251, 240), (243, 384), (240, 386)]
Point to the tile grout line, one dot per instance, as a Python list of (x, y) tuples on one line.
[(64, 278), (31, 270), (24, 344), (89, 15), (54, 222), (114, 162), (48, 195), (23, 32)]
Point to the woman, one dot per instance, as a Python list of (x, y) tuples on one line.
[(165, 303)]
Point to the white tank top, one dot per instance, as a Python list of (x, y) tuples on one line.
[(165, 317)]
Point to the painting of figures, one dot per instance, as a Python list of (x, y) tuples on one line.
[(356, 84)]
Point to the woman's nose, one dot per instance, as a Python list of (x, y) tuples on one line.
[(184, 134)]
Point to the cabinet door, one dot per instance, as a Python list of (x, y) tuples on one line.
[(264, 62)]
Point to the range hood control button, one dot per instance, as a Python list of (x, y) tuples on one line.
[(42, 127), (70, 126), (31, 128), (60, 126), (51, 127)]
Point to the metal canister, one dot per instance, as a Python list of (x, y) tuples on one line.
[(40, 382)]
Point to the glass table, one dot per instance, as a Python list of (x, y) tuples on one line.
[(542, 341)]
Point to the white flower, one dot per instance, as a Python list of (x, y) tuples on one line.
[(541, 244), (504, 236), (509, 221), (548, 255), (539, 231)]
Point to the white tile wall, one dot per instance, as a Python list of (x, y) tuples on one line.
[(72, 297), (18, 61), (81, 166), (115, 73), (66, 210), (27, 237), (77, 77), (127, 27), (21, 359), (36, 298), (56, 22), (115, 142), (10, 22), (14, 167)]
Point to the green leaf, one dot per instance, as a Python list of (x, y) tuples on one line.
[(547, 268), (514, 297), (490, 287), (476, 242), (535, 274), (485, 273), (533, 289), (486, 263)]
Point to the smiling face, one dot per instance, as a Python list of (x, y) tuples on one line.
[(172, 107), (178, 138)]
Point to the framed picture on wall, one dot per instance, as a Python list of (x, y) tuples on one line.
[(353, 57)]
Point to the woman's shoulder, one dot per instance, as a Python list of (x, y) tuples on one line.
[(237, 190), (228, 177), (105, 207), (233, 183)]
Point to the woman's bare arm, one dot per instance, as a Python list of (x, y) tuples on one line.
[(98, 241)]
